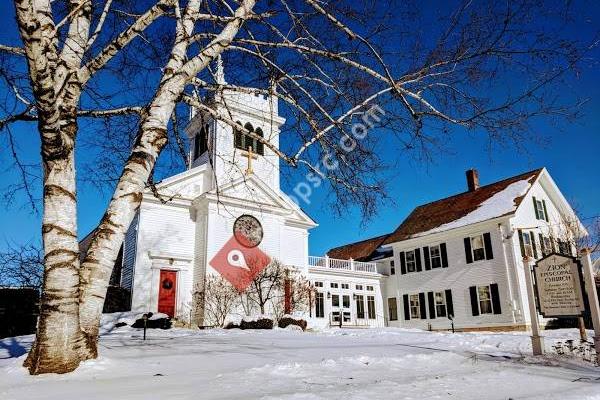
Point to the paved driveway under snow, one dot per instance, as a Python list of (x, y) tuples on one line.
[(281, 364)]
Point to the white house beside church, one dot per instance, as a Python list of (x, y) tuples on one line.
[(460, 256)]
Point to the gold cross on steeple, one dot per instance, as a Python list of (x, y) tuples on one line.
[(249, 155)]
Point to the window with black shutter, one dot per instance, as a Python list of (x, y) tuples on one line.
[(485, 299), (449, 304), (533, 245), (402, 263), (431, 304), (422, 306), (487, 240), (426, 258), (474, 301), (468, 253), (495, 298), (406, 305), (444, 255)]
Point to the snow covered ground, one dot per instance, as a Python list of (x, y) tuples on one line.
[(285, 364)]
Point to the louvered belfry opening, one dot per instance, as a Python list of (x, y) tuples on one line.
[(472, 180)]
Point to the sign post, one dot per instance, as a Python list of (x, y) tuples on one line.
[(537, 341), (592, 298)]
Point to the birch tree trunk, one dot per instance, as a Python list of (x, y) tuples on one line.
[(60, 344), (151, 139)]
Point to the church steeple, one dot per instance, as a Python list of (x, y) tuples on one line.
[(230, 152)]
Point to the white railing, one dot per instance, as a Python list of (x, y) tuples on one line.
[(348, 265)]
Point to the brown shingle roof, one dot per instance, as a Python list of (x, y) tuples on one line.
[(359, 251), (437, 213)]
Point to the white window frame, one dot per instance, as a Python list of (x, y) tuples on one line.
[(527, 245), (319, 284), (390, 309), (489, 299), (345, 286), (439, 305), (415, 306), (546, 245), (335, 296), (473, 238), (411, 265), (370, 288), (334, 285), (541, 213), (392, 267), (358, 287), (437, 257), (371, 300), (320, 296)]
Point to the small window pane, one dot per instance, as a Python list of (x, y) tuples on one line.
[(335, 300), (440, 304), (411, 263), (346, 301), (392, 309), (485, 301), (415, 310), (436, 256), (477, 247)]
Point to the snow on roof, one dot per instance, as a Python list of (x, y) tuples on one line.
[(501, 203)]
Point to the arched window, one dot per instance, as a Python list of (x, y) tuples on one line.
[(243, 142), (238, 137), (260, 147)]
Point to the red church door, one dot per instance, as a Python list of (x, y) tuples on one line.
[(166, 292)]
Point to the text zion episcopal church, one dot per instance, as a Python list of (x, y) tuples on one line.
[(459, 257)]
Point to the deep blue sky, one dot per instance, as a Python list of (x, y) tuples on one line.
[(571, 156)]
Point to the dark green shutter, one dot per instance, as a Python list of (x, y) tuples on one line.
[(545, 211), (474, 301), (449, 305), (468, 252), (406, 307), (495, 298), (418, 259), (426, 257), (542, 244), (444, 255), (520, 232), (431, 301), (487, 241), (402, 263), (422, 306), (535, 208), (533, 245)]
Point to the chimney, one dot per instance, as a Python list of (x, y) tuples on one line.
[(472, 180)]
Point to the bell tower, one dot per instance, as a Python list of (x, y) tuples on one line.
[(228, 151)]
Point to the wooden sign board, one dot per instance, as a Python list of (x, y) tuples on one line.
[(559, 286)]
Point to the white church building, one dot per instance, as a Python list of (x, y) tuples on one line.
[(458, 257)]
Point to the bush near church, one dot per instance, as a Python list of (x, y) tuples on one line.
[(251, 323), (287, 320)]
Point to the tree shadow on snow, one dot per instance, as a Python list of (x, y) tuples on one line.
[(13, 348)]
